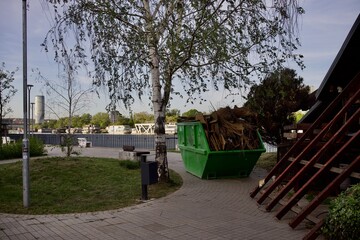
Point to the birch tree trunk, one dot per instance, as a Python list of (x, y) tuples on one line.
[(159, 105), (159, 116)]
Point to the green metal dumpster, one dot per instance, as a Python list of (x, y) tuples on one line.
[(200, 161)]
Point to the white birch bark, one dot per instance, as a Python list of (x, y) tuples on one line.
[(158, 105)]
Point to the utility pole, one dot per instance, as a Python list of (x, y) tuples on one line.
[(29, 86), (32, 118), (25, 147)]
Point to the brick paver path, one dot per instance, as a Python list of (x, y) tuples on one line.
[(201, 209)]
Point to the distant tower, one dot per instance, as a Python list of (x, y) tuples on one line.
[(39, 109)]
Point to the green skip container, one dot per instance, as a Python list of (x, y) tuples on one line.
[(200, 161)]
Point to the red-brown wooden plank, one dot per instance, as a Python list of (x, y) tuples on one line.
[(354, 84), (315, 231), (325, 193), (326, 168), (317, 138)]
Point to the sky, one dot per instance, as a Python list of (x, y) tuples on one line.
[(322, 31)]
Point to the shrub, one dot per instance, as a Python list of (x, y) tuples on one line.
[(36, 147), (14, 150), (9, 151), (343, 221)]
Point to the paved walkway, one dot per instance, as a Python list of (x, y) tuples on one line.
[(201, 209)]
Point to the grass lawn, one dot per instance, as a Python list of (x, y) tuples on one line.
[(267, 161), (78, 184)]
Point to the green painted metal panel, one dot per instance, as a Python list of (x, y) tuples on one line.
[(203, 163)]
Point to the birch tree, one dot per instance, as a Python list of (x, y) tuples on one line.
[(66, 95), (153, 48)]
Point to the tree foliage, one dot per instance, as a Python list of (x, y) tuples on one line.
[(51, 123), (101, 119), (76, 121), (195, 43), (154, 47), (143, 117), (7, 91), (275, 99), (114, 116), (191, 113), (85, 119), (172, 115), (173, 112), (124, 121)]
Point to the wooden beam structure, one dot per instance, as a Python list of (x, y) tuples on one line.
[(325, 193), (315, 157), (326, 168), (309, 134), (329, 144)]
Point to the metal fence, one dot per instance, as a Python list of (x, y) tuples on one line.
[(117, 141), (106, 140)]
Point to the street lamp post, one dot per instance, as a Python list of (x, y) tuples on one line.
[(29, 86), (25, 147)]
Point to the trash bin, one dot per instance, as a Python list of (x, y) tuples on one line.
[(200, 161), (149, 174)]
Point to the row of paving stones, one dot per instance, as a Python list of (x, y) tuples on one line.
[(201, 209)]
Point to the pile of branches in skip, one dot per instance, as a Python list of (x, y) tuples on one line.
[(230, 129)]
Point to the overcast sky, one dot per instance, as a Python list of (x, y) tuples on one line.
[(323, 29)]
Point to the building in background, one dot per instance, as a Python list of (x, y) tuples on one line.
[(39, 109)]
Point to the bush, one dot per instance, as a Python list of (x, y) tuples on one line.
[(343, 221), (14, 150), (9, 151), (36, 147)]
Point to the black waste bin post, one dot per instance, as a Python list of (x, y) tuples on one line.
[(144, 187), (148, 176)]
